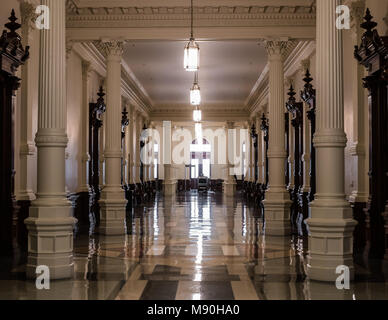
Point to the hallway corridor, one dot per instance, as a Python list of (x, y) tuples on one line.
[(195, 247)]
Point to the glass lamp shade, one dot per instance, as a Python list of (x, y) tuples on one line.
[(197, 115), (195, 95), (191, 56)]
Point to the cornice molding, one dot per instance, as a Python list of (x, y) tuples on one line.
[(117, 14)]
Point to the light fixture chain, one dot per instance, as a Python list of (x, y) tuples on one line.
[(192, 19)]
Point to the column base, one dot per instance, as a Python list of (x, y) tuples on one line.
[(81, 203), (50, 241), (328, 291), (359, 235), (22, 232), (277, 208), (330, 241), (230, 189), (169, 188), (112, 217)]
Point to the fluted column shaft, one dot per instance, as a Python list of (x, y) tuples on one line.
[(306, 157), (249, 153), (129, 142), (229, 183), (169, 184), (259, 151), (331, 225), (27, 147), (50, 223), (138, 128), (85, 156), (360, 112), (276, 203), (112, 197)]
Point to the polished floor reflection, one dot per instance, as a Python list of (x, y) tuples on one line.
[(195, 247)]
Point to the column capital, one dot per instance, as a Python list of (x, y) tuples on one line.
[(86, 68), (69, 47), (304, 65), (113, 48), (288, 81), (357, 11), (229, 124), (276, 48), (28, 15)]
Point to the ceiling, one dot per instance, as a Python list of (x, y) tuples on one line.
[(228, 70)]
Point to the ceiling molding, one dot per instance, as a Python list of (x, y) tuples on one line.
[(210, 112), (171, 22)]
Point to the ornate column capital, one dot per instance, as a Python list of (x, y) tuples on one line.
[(275, 48), (69, 47), (288, 81), (357, 11), (28, 15), (86, 68), (229, 124), (304, 65), (112, 48)]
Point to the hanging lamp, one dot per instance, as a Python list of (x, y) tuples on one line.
[(191, 53), (195, 92), (197, 115)]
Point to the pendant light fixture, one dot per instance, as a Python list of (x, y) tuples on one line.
[(191, 53), (197, 115), (195, 92)]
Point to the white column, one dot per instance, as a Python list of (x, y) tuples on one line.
[(27, 147), (138, 128), (146, 157), (85, 157), (152, 168), (360, 112), (252, 153), (230, 183), (50, 223), (248, 154), (331, 224), (291, 156), (113, 201), (260, 149), (129, 144), (306, 157), (169, 184), (277, 199), (260, 155)]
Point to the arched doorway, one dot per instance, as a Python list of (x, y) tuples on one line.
[(200, 157)]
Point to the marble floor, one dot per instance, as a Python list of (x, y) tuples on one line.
[(195, 247)]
